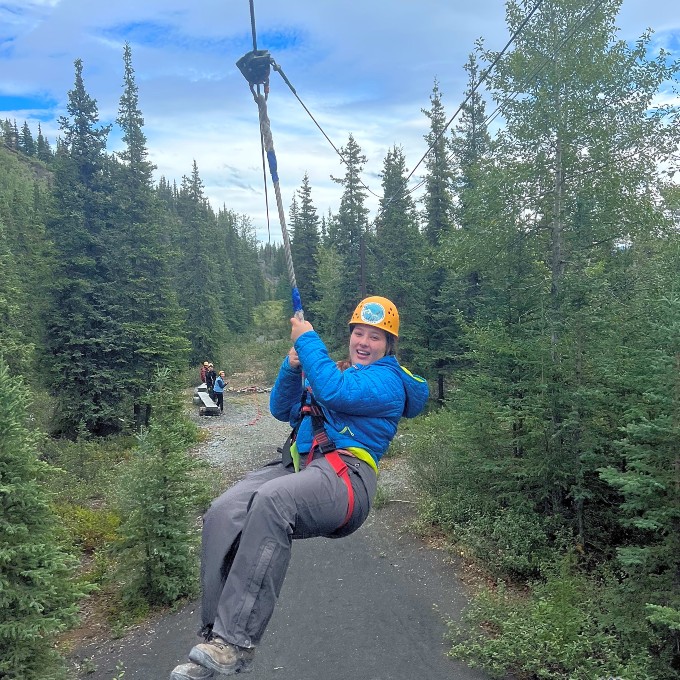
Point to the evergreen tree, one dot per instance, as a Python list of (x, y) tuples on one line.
[(84, 326), (329, 310), (149, 309), (304, 247), (400, 254), (646, 476), (437, 221), (241, 276), (12, 302), (42, 147), (199, 272), (438, 200), (23, 203), (161, 495), (348, 230), (26, 144), (38, 596)]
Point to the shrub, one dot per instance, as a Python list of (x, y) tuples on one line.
[(159, 498), (553, 633), (90, 528)]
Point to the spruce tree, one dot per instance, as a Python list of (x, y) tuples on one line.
[(38, 595), (85, 334), (348, 231), (160, 497), (149, 309), (304, 247), (42, 147), (26, 141), (437, 219), (399, 249), (199, 272)]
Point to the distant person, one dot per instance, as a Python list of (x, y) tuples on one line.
[(343, 422), (210, 378), (204, 370), (218, 388)]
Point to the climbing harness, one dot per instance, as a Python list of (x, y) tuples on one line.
[(322, 445)]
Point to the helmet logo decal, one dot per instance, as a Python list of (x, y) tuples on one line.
[(372, 312)]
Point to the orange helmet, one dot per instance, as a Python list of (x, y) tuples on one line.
[(379, 312)]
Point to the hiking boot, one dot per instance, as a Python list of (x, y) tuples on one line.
[(191, 671), (223, 657)]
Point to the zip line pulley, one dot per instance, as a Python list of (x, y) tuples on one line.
[(255, 67)]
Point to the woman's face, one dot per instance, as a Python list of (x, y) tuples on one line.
[(367, 344)]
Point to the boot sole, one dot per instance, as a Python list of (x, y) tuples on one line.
[(200, 657), (182, 676)]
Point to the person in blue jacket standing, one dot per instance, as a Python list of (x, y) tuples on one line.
[(218, 390), (343, 422)]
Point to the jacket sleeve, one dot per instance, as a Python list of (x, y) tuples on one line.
[(368, 391), (284, 400)]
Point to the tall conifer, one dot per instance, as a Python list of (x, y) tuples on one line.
[(148, 306), (38, 596), (304, 247), (84, 326)]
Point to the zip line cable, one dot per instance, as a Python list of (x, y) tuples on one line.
[(481, 80), (267, 140), (535, 72), (255, 68)]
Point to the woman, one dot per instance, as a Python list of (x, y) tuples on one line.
[(218, 389), (344, 422)]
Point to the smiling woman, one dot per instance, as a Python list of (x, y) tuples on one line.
[(343, 422)]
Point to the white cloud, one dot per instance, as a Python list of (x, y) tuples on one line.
[(365, 68)]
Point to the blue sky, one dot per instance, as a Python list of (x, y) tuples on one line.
[(364, 67)]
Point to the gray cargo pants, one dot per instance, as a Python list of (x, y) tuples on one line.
[(248, 533)]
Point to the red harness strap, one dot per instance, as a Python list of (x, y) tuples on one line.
[(341, 469), (324, 445)]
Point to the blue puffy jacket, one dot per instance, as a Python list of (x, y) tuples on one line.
[(362, 405)]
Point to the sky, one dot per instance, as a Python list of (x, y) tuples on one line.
[(361, 67)]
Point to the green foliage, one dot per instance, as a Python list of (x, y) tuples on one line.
[(242, 354), (554, 632), (160, 497), (271, 320), (23, 203), (347, 235), (471, 496), (89, 528), (397, 236), (329, 309), (86, 469), (38, 596)]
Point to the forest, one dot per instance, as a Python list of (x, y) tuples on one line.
[(538, 283)]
